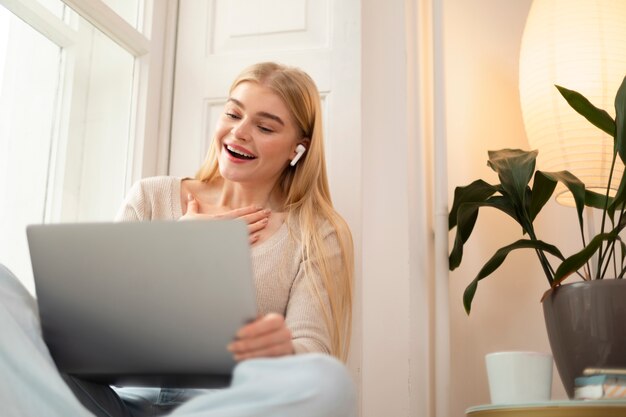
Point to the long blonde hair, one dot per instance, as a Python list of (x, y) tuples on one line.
[(307, 196)]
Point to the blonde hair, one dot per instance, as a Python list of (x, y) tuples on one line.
[(307, 196)]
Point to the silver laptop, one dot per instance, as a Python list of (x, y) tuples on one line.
[(150, 303)]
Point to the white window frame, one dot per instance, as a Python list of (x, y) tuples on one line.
[(152, 85)]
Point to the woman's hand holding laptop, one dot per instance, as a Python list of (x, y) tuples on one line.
[(267, 336)]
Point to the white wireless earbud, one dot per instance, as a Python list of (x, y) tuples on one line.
[(300, 150)]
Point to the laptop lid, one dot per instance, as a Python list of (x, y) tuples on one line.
[(144, 303)]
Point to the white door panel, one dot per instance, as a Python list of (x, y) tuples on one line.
[(271, 25), (218, 38)]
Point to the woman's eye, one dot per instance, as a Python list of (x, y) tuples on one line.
[(232, 116), (265, 129)]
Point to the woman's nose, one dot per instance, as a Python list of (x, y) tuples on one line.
[(242, 130)]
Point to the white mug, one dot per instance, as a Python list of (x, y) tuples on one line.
[(519, 377)]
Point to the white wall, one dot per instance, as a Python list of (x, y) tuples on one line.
[(385, 257), (482, 41), (399, 350)]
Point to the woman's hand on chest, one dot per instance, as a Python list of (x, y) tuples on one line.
[(256, 218)]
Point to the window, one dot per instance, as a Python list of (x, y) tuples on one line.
[(73, 100)]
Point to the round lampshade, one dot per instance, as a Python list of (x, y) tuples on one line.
[(580, 45)]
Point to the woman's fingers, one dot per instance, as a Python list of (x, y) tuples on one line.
[(192, 204), (256, 217), (255, 227), (267, 336), (271, 351), (265, 342), (266, 324), (255, 212), (192, 208)]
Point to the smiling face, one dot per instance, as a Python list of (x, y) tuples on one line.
[(256, 134)]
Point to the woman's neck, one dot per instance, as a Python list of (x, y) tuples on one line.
[(234, 195)]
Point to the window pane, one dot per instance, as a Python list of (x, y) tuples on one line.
[(65, 131), (28, 99), (108, 92)]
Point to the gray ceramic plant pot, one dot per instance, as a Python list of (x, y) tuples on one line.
[(586, 323)]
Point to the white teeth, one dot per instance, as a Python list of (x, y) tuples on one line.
[(239, 152)]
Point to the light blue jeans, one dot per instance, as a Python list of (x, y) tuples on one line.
[(30, 384)]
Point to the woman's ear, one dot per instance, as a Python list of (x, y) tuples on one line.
[(304, 142)]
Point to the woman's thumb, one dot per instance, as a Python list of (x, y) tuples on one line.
[(192, 204)]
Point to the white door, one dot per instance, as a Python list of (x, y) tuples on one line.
[(218, 38)]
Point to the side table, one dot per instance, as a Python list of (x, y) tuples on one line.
[(577, 408)]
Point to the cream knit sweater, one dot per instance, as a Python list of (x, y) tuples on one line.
[(277, 263)]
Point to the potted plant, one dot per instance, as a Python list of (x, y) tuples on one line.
[(581, 320)]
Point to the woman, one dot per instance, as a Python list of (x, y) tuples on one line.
[(266, 166)]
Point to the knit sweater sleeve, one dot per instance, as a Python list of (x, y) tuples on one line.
[(305, 315), (154, 198)]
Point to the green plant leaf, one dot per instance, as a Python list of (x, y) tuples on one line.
[(543, 187), (496, 260), (573, 184), (618, 200), (621, 225), (598, 117), (622, 251), (577, 260), (466, 219), (477, 191), (464, 213), (467, 214), (620, 147), (515, 168), (620, 121), (503, 204), (597, 200)]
